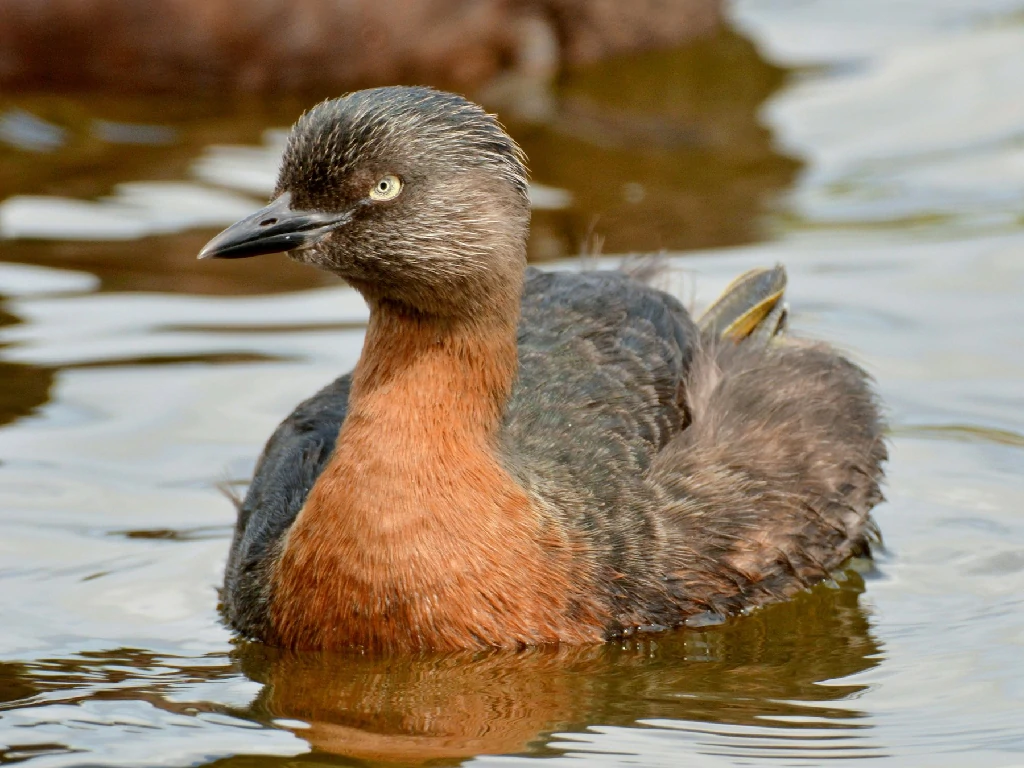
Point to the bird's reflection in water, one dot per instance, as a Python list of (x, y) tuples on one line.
[(763, 668)]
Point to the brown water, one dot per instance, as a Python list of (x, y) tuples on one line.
[(133, 380)]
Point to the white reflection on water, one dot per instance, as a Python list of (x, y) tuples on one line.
[(803, 33), (135, 733), (914, 115), (135, 210)]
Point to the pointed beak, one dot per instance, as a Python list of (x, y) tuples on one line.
[(273, 229)]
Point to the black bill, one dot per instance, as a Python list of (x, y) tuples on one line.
[(273, 229)]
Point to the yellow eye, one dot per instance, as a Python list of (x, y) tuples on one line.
[(387, 188)]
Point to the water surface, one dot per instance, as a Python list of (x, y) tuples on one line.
[(877, 154)]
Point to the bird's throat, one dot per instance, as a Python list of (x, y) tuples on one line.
[(449, 375)]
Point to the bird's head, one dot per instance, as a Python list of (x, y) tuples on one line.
[(411, 195)]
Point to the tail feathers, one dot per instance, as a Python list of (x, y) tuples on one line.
[(771, 483), (751, 307)]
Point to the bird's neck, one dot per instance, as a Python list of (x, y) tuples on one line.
[(422, 377)]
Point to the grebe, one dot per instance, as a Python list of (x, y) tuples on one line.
[(525, 457)]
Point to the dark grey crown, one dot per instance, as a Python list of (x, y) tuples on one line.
[(423, 126)]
